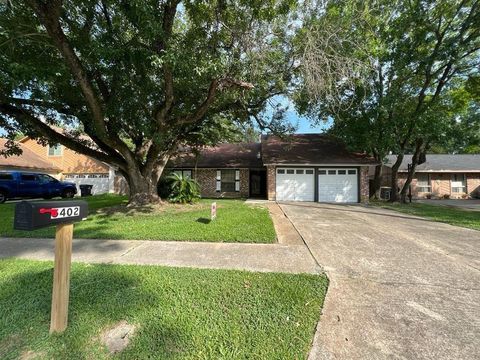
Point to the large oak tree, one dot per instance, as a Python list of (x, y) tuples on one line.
[(140, 78), (412, 56)]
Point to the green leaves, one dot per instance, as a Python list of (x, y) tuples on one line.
[(422, 53), (183, 189)]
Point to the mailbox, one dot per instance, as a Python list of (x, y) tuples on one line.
[(31, 215)]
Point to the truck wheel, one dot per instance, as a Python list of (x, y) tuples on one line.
[(68, 194), (3, 197)]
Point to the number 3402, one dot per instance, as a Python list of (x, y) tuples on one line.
[(66, 212)]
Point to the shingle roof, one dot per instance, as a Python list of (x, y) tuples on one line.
[(309, 149), (441, 163), (243, 155), (28, 159)]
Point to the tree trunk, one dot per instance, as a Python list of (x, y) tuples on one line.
[(411, 170), (144, 188), (377, 182), (394, 178)]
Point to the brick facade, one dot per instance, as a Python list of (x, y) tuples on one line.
[(364, 184), (441, 186), (473, 185), (207, 179), (271, 187)]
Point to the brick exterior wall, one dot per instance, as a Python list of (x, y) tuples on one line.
[(364, 185), (473, 185), (271, 187), (207, 179), (441, 186)]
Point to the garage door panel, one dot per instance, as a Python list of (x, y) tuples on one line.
[(337, 185), (100, 182), (286, 189), (295, 184)]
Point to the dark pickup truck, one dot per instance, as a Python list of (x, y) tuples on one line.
[(15, 184)]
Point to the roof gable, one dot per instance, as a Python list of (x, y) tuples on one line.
[(28, 159), (309, 149)]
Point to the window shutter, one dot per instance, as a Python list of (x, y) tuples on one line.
[(219, 180), (237, 180)]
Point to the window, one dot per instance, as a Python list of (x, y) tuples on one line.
[(352, 172), (184, 173), (280, 171), (300, 172), (6, 176), (458, 183), (342, 172), (423, 183), (45, 178), (309, 172), (322, 172), (27, 177), (228, 180), (290, 171), (332, 172), (55, 150)]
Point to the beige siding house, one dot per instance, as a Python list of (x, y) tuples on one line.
[(74, 167)]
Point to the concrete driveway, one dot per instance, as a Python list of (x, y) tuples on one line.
[(400, 287)]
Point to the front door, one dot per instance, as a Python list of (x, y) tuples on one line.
[(258, 183)]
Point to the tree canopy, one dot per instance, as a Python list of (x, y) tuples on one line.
[(140, 78), (414, 59)]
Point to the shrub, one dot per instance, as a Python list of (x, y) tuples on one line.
[(183, 189), (446, 196), (428, 196)]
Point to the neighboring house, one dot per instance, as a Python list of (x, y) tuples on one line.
[(28, 161), (304, 167), (441, 176), (74, 167)]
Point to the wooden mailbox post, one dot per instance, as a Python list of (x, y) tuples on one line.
[(31, 215)]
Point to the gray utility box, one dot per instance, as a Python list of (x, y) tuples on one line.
[(31, 215)]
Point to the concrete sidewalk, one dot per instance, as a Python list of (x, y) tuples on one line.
[(251, 257)]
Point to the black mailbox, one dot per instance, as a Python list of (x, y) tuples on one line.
[(31, 215)]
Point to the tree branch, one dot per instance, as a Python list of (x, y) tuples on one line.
[(24, 116), (49, 15)]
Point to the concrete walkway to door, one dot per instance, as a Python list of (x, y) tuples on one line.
[(400, 287)]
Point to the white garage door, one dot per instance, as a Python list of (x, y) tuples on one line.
[(295, 184), (337, 185), (100, 182)]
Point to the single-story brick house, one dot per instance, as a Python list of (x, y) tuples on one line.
[(302, 167), (442, 175)]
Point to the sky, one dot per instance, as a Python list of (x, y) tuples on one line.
[(304, 124)]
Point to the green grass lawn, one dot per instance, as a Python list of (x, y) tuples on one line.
[(110, 219), (453, 216), (180, 313)]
